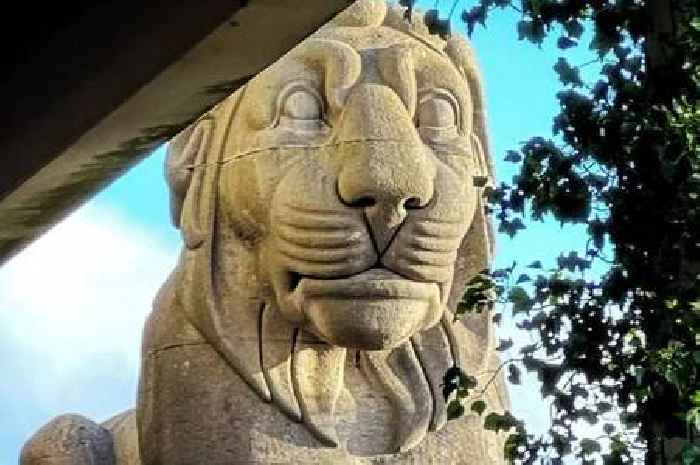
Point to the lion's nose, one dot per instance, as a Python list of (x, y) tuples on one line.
[(387, 180)]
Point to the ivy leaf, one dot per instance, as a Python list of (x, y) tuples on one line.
[(512, 446), (568, 75), (450, 381), (574, 29), (436, 25), (455, 409), (468, 381), (478, 406), (514, 374), (572, 262), (600, 90), (529, 349), (504, 344), (497, 318), (501, 422), (480, 181), (604, 407), (564, 42), (695, 23), (520, 299), (523, 278), (531, 30), (513, 156), (536, 6), (602, 43), (589, 446), (693, 417), (511, 227), (475, 15), (690, 454)]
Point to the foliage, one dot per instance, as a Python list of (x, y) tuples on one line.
[(624, 159)]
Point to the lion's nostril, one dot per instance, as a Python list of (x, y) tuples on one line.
[(294, 280), (363, 202), (413, 203)]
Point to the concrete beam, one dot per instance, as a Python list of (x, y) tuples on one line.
[(121, 81)]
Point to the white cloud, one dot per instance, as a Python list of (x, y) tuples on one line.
[(72, 305)]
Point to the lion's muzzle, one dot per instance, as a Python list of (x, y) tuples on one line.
[(373, 310)]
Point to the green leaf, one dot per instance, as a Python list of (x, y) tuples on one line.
[(604, 407), (589, 446), (513, 156), (693, 417), (602, 43), (511, 448), (514, 374), (478, 406), (529, 349), (574, 29), (695, 23), (451, 381), (511, 227), (480, 181), (497, 318), (468, 381), (536, 6), (501, 422), (691, 454), (565, 42), (568, 75), (504, 344), (520, 300), (455, 409), (532, 31)]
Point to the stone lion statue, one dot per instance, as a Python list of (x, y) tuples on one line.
[(331, 212)]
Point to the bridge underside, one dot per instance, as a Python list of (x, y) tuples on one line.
[(93, 87)]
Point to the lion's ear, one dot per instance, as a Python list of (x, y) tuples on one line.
[(186, 168)]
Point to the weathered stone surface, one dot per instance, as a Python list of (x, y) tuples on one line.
[(125, 437), (332, 214), (69, 440)]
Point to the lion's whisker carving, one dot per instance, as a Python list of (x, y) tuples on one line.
[(323, 256), (439, 230), (422, 258), (333, 212), (433, 244), (321, 225), (448, 221), (322, 239), (307, 215)]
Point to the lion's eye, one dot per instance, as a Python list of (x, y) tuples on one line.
[(436, 112), (302, 105), (437, 116)]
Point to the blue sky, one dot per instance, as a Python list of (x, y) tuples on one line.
[(73, 303)]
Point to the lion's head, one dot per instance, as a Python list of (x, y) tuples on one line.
[(334, 204)]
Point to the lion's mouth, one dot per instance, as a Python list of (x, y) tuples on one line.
[(375, 283), (373, 310)]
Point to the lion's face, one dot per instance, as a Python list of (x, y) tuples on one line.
[(334, 203), (352, 164)]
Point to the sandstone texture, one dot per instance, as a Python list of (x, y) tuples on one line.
[(332, 213)]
